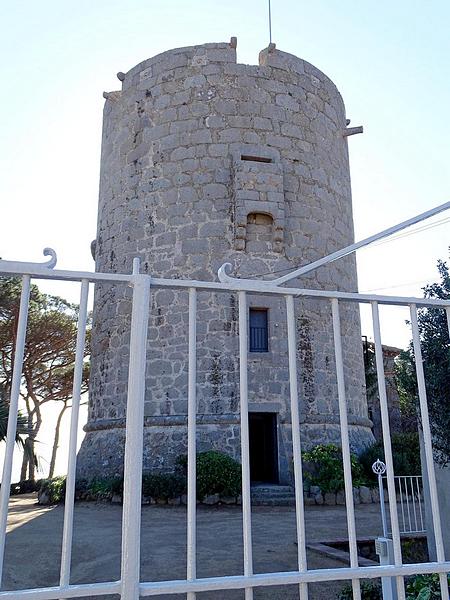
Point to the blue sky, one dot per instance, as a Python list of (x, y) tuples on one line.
[(390, 61)]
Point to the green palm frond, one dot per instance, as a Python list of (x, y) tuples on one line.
[(21, 423), (22, 430)]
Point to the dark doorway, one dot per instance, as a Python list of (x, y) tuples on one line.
[(263, 448)]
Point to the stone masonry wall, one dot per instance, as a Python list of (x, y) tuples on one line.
[(192, 144)]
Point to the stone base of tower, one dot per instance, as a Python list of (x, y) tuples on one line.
[(102, 451)]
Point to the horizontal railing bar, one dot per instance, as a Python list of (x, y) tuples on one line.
[(235, 582), (405, 533), (266, 288), (69, 591), (259, 287), (413, 531), (227, 583), (59, 274)]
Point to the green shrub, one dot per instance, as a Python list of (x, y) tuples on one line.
[(405, 454), (424, 587), (217, 473), (163, 486), (96, 489), (54, 489), (103, 488), (324, 468), (370, 590)]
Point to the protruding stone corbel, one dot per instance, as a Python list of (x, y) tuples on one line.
[(278, 238), (352, 131), (113, 96), (121, 76), (240, 235)]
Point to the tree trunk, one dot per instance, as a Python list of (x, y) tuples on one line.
[(24, 467), (24, 471), (31, 463), (36, 412), (56, 441)]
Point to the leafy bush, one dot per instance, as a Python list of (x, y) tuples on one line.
[(324, 468), (405, 454), (54, 489), (370, 590), (163, 486), (103, 488), (424, 587), (217, 473), (97, 488)]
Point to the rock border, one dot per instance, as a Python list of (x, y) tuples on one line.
[(361, 495)]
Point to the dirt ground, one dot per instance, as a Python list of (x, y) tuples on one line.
[(33, 544)]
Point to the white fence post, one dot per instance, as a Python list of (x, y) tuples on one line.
[(387, 447), (132, 485), (345, 442), (427, 440), (192, 445), (245, 450), (12, 415), (66, 552), (296, 444), (379, 468)]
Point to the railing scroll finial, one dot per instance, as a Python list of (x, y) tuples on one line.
[(49, 264), (378, 467)]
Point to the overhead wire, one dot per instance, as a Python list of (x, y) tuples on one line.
[(390, 287), (413, 232), (381, 242)]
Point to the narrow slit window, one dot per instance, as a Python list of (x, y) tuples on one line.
[(259, 331), (262, 159)]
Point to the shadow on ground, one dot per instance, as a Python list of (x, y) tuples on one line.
[(33, 544)]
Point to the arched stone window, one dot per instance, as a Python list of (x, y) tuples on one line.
[(259, 232)]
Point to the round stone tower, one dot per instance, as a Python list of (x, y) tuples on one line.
[(206, 161)]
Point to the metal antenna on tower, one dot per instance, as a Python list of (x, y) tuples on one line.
[(270, 25)]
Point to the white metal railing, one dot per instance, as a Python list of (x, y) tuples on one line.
[(409, 501), (129, 586)]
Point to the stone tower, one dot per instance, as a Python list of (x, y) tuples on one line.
[(205, 161)]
